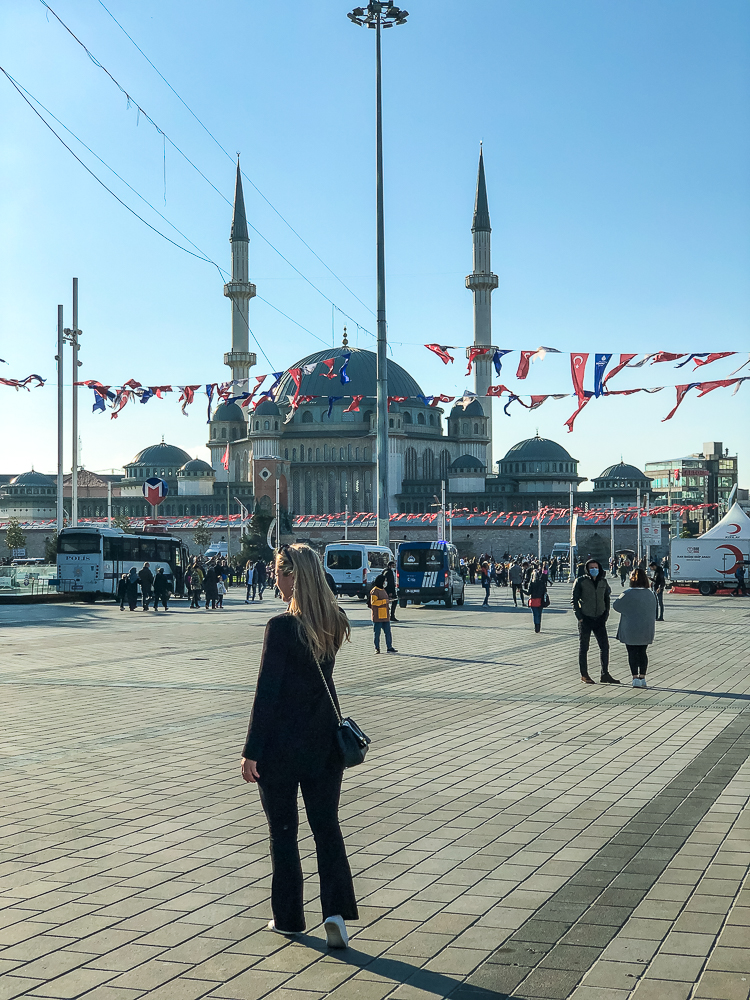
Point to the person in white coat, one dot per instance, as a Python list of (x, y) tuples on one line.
[(637, 610)]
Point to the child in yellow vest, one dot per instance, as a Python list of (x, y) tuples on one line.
[(378, 601)]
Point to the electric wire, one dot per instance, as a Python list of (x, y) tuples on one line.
[(227, 153), (174, 145)]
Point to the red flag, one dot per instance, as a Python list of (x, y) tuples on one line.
[(578, 370), (330, 373), (682, 391), (296, 374), (353, 407), (537, 401), (396, 399), (665, 356), (441, 351), (472, 353), (720, 383), (523, 364), (225, 458), (625, 360), (497, 390), (159, 390), (569, 423), (187, 396), (442, 399), (699, 362)]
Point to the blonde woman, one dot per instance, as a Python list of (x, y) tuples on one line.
[(291, 744)]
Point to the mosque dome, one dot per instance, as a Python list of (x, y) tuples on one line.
[(32, 479), (538, 449), (474, 409), (362, 372), (267, 408), (196, 467), (228, 412), (465, 463), (622, 476), (161, 455)]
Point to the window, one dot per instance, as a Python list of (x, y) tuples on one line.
[(266, 425), (420, 418), (344, 559), (309, 454), (213, 432), (390, 422), (302, 454), (307, 417), (476, 428), (407, 417), (523, 467), (410, 464), (294, 454), (286, 453), (341, 454), (365, 454), (445, 461), (432, 420), (465, 427), (428, 464), (224, 431), (421, 560), (356, 454), (257, 425), (378, 560), (317, 454), (79, 543)]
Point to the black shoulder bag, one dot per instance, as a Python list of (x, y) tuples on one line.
[(352, 742)]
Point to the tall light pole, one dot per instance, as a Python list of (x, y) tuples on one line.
[(379, 15), (71, 336)]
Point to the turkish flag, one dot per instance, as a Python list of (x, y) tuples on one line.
[(225, 458), (577, 371)]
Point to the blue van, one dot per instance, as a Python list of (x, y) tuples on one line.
[(429, 571)]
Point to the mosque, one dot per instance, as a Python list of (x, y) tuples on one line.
[(323, 454)]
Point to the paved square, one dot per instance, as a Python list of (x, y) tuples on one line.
[(513, 833)]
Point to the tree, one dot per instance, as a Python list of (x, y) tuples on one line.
[(50, 548), (255, 540), (202, 535), (122, 522), (14, 537)]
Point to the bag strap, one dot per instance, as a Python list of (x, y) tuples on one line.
[(328, 690)]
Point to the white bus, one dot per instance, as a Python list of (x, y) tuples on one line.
[(354, 565), (91, 560)]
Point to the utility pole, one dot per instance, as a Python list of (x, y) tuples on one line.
[(612, 527), (638, 504), (442, 533), (571, 570), (229, 530), (59, 359), (109, 503), (346, 525), (450, 523), (278, 527), (71, 336), (648, 543), (539, 530)]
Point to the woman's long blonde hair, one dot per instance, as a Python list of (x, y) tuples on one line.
[(323, 625)]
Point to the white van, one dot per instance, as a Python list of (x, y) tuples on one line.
[(354, 565)]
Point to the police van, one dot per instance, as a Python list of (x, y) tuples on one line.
[(353, 566), (429, 571)]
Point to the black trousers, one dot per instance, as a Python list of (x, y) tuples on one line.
[(638, 660), (517, 587), (321, 793), (599, 628)]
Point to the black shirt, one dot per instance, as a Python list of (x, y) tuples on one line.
[(293, 725)]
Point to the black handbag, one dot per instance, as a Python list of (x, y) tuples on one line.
[(350, 739)]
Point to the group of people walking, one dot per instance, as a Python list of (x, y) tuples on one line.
[(209, 579), (153, 587)]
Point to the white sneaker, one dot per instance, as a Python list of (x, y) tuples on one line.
[(336, 935), (271, 926), (636, 682), (642, 683)]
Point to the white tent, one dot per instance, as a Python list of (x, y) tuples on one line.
[(734, 524)]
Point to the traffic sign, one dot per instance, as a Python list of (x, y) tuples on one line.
[(155, 490)]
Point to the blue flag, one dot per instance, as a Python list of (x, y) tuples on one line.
[(148, 394), (427, 400), (331, 401), (342, 371), (600, 366), (210, 394), (497, 360)]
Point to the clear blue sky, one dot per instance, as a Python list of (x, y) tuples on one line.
[(617, 155)]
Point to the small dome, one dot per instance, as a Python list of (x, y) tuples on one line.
[(267, 408), (474, 409), (229, 412), (623, 471), (394, 408), (161, 455), (196, 467), (466, 462), (32, 479), (538, 448)]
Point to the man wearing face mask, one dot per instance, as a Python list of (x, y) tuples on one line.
[(591, 605)]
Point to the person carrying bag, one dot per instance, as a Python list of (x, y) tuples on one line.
[(296, 740)]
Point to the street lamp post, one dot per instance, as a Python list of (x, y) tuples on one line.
[(379, 15)]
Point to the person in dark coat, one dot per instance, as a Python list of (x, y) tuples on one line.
[(132, 588), (259, 579), (291, 744), (591, 597), (537, 597), (390, 588), (161, 589), (147, 581), (122, 590), (658, 582), (210, 585)]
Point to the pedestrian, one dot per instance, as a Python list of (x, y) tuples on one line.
[(637, 609), (291, 743), (221, 589), (553, 569), (378, 601), (515, 576), (390, 588), (132, 588), (248, 580), (538, 597), (484, 571), (259, 579), (122, 590), (161, 589), (658, 583), (739, 575), (472, 569), (147, 581), (196, 585), (210, 586), (591, 597)]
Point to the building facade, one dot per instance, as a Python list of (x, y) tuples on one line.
[(704, 477)]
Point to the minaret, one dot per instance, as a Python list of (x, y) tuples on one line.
[(239, 289), (482, 283)]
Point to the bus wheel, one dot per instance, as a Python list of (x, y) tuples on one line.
[(706, 589), (460, 600), (402, 602), (449, 599)]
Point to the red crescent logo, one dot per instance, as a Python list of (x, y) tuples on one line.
[(736, 527), (737, 555)]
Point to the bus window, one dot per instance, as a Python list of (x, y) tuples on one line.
[(433, 559), (79, 544), (421, 560), (129, 549), (410, 558), (378, 560), (162, 551), (344, 559), (177, 553)]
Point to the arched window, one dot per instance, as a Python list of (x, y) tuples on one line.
[(465, 427), (523, 467), (407, 417), (331, 492), (319, 501), (317, 459), (365, 454), (554, 466), (294, 454), (286, 453), (192, 509), (420, 418), (307, 417), (366, 416), (445, 461), (266, 425), (308, 493), (356, 454), (309, 454), (410, 463), (476, 428), (517, 467), (295, 492), (341, 454), (428, 464), (224, 431), (213, 432), (390, 421), (432, 420)]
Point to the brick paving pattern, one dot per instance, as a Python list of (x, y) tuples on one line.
[(512, 833)]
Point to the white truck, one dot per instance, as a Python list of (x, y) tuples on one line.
[(711, 561)]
